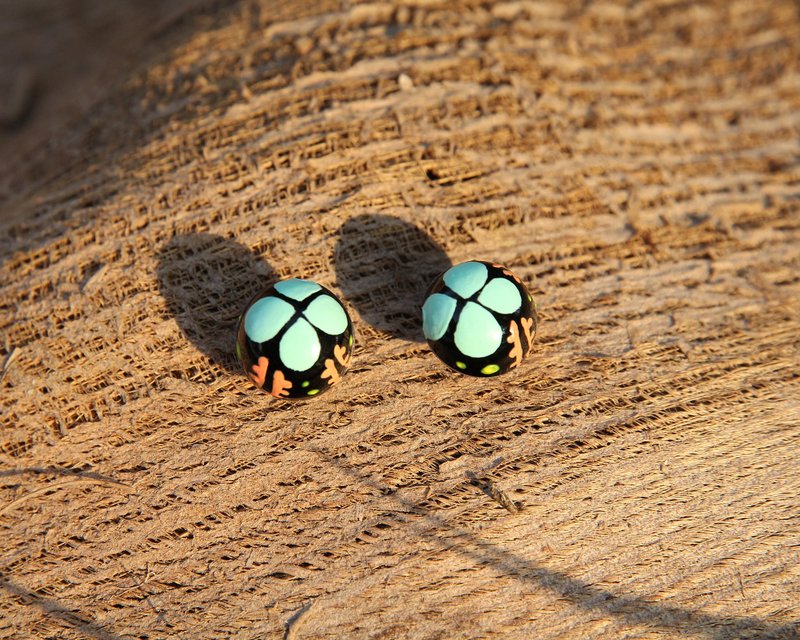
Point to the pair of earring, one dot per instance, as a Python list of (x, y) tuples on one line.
[(296, 339)]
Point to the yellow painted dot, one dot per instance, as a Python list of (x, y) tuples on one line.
[(313, 392), (530, 298), (305, 384), (351, 339), (460, 364), (239, 351), (489, 369)]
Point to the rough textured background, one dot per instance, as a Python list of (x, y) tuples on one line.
[(637, 163)]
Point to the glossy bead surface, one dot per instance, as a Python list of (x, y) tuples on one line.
[(295, 340), (479, 318)]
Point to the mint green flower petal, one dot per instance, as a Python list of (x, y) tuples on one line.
[(266, 317), (466, 278), (477, 333), (327, 314), (501, 295), (436, 315), (297, 289), (300, 346)]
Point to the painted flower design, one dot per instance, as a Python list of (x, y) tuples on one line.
[(473, 298), (297, 320)]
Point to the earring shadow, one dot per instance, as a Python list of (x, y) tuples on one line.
[(206, 281), (384, 266)]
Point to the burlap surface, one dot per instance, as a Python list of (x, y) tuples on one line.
[(636, 163)]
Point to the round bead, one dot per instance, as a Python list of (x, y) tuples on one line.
[(479, 318), (295, 339)]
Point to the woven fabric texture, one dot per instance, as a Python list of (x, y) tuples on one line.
[(636, 163)]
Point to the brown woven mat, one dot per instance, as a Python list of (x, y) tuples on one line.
[(636, 163)]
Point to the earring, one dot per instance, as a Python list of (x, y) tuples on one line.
[(295, 340), (479, 318)]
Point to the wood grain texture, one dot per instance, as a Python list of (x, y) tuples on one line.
[(636, 163)]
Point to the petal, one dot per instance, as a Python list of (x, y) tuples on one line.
[(266, 317), (326, 313), (436, 315), (300, 346), (477, 333), (501, 295), (466, 278), (297, 289)]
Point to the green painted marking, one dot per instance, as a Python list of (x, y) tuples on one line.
[(501, 295), (300, 346), (477, 334), (313, 392), (351, 339), (305, 384), (466, 278), (461, 365), (436, 315), (266, 317), (327, 314), (489, 369), (238, 351), (297, 289)]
